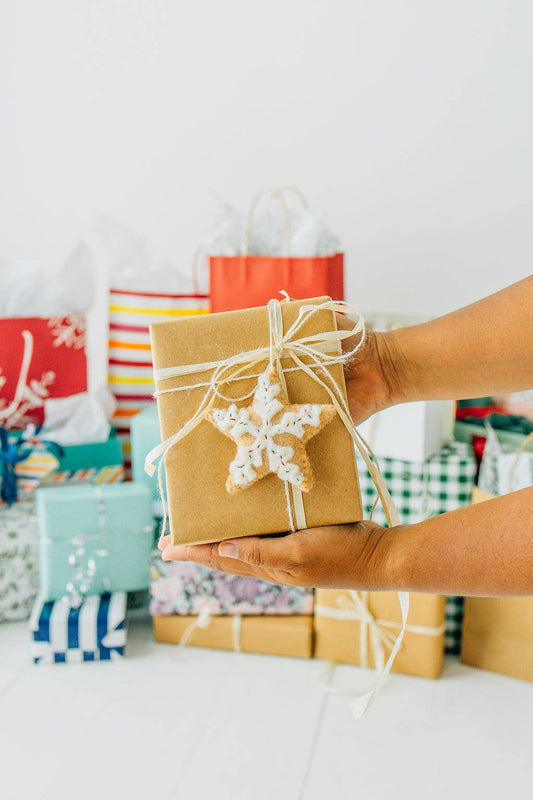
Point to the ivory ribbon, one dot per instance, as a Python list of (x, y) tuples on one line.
[(203, 620), (320, 350)]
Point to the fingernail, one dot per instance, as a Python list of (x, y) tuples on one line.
[(228, 549)]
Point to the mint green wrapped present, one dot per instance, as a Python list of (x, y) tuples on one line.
[(145, 435), (94, 539)]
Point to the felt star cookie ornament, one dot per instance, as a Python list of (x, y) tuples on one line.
[(270, 435)]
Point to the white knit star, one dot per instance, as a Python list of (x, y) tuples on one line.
[(270, 435)]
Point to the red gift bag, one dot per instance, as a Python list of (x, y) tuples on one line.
[(247, 281), (40, 358)]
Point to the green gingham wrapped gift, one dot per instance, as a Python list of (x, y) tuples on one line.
[(424, 489)]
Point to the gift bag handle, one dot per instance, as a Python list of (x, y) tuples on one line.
[(278, 193), (200, 260), (523, 447)]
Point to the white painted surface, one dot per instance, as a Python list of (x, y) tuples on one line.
[(249, 727), (408, 123)]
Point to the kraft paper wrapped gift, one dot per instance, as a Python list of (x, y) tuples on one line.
[(340, 636), (498, 631), (109, 525), (280, 636), (186, 588), (94, 631), (201, 509)]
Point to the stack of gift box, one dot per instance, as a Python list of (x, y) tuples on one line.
[(74, 539)]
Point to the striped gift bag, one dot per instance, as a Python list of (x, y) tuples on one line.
[(130, 358)]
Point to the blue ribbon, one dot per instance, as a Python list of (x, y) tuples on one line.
[(13, 450)]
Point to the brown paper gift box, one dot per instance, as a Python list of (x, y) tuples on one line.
[(421, 654), (280, 636), (200, 508), (498, 631)]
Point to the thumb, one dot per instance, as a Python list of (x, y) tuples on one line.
[(259, 551)]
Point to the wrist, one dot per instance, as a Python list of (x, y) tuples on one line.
[(402, 375), (395, 559)]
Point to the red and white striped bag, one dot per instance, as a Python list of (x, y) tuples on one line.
[(130, 358)]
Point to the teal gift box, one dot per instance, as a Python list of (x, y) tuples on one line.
[(145, 435), (94, 539), (99, 462)]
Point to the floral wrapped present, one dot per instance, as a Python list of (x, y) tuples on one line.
[(93, 631), (19, 573), (282, 636), (186, 588), (421, 489), (94, 539), (40, 358)]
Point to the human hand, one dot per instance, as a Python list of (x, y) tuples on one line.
[(355, 556), (373, 375)]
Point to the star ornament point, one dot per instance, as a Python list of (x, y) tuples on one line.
[(270, 435)]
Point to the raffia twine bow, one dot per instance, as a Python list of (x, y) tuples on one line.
[(312, 355)]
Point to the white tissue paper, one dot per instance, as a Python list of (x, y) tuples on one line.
[(79, 419), (134, 267), (28, 290), (505, 468), (308, 233)]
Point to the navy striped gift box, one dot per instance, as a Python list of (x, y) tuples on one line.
[(95, 631)]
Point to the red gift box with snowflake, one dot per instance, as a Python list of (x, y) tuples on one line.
[(40, 358)]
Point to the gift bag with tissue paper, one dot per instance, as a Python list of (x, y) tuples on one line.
[(253, 260), (142, 291), (42, 337)]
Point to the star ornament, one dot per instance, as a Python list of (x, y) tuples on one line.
[(270, 435)]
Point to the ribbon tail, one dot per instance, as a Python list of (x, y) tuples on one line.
[(361, 704)]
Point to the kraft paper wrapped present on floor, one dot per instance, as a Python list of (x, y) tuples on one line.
[(186, 588), (498, 631), (361, 627), (281, 636), (19, 572), (244, 455), (419, 490), (94, 539), (93, 631)]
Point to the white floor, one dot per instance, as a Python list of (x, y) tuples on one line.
[(247, 727)]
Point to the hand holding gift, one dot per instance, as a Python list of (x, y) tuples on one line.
[(460, 552)]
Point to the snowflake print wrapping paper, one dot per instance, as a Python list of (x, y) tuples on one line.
[(271, 435), (185, 588), (40, 358)]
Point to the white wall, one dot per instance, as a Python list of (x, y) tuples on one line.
[(409, 122)]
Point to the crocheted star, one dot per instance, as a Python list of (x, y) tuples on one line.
[(270, 435)]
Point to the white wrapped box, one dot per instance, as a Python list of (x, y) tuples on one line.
[(410, 431)]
